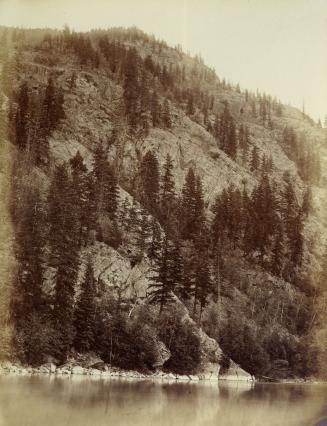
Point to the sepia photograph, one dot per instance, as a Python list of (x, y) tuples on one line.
[(163, 213)]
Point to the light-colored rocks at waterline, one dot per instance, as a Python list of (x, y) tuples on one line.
[(106, 371)]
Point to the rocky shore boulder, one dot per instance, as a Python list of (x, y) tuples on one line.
[(163, 355), (235, 373), (211, 354), (78, 370)]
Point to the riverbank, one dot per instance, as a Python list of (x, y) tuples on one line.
[(105, 371)]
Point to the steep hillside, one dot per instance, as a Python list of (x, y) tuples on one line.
[(193, 207), (6, 236)]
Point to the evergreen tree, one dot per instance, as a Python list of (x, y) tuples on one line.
[(40, 147), (155, 110), (59, 188), (84, 316), (232, 142), (216, 127), (293, 221), (185, 289), (8, 72), (190, 105), (289, 142), (224, 126), (181, 287), (246, 138), (131, 88), (229, 218), (263, 109), (132, 221), (150, 182), (22, 117), (278, 251), (202, 279), (255, 160), (104, 185), (234, 215), (279, 109), (241, 137), (72, 81), (289, 206), (143, 235), (64, 245), (270, 123), (296, 242), (3, 44), (166, 117), (249, 224), (123, 216), (167, 198), (66, 278), (165, 77), (254, 109), (58, 112), (192, 207), (52, 108), (245, 145), (161, 289), (307, 202), (265, 219), (145, 114), (51, 112), (155, 243), (217, 224), (30, 241), (81, 192), (199, 206)]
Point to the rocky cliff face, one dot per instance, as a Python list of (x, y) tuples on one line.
[(93, 110)]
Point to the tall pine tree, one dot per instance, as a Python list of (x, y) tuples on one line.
[(161, 289), (22, 117), (64, 245), (192, 206), (85, 312), (167, 194), (150, 183)]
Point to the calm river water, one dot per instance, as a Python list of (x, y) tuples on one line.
[(50, 401)]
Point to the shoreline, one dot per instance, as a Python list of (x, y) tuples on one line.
[(107, 372)]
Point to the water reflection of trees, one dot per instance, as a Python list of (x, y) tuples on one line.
[(269, 404), (90, 402), (267, 391)]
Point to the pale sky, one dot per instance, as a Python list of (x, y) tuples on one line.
[(278, 46)]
